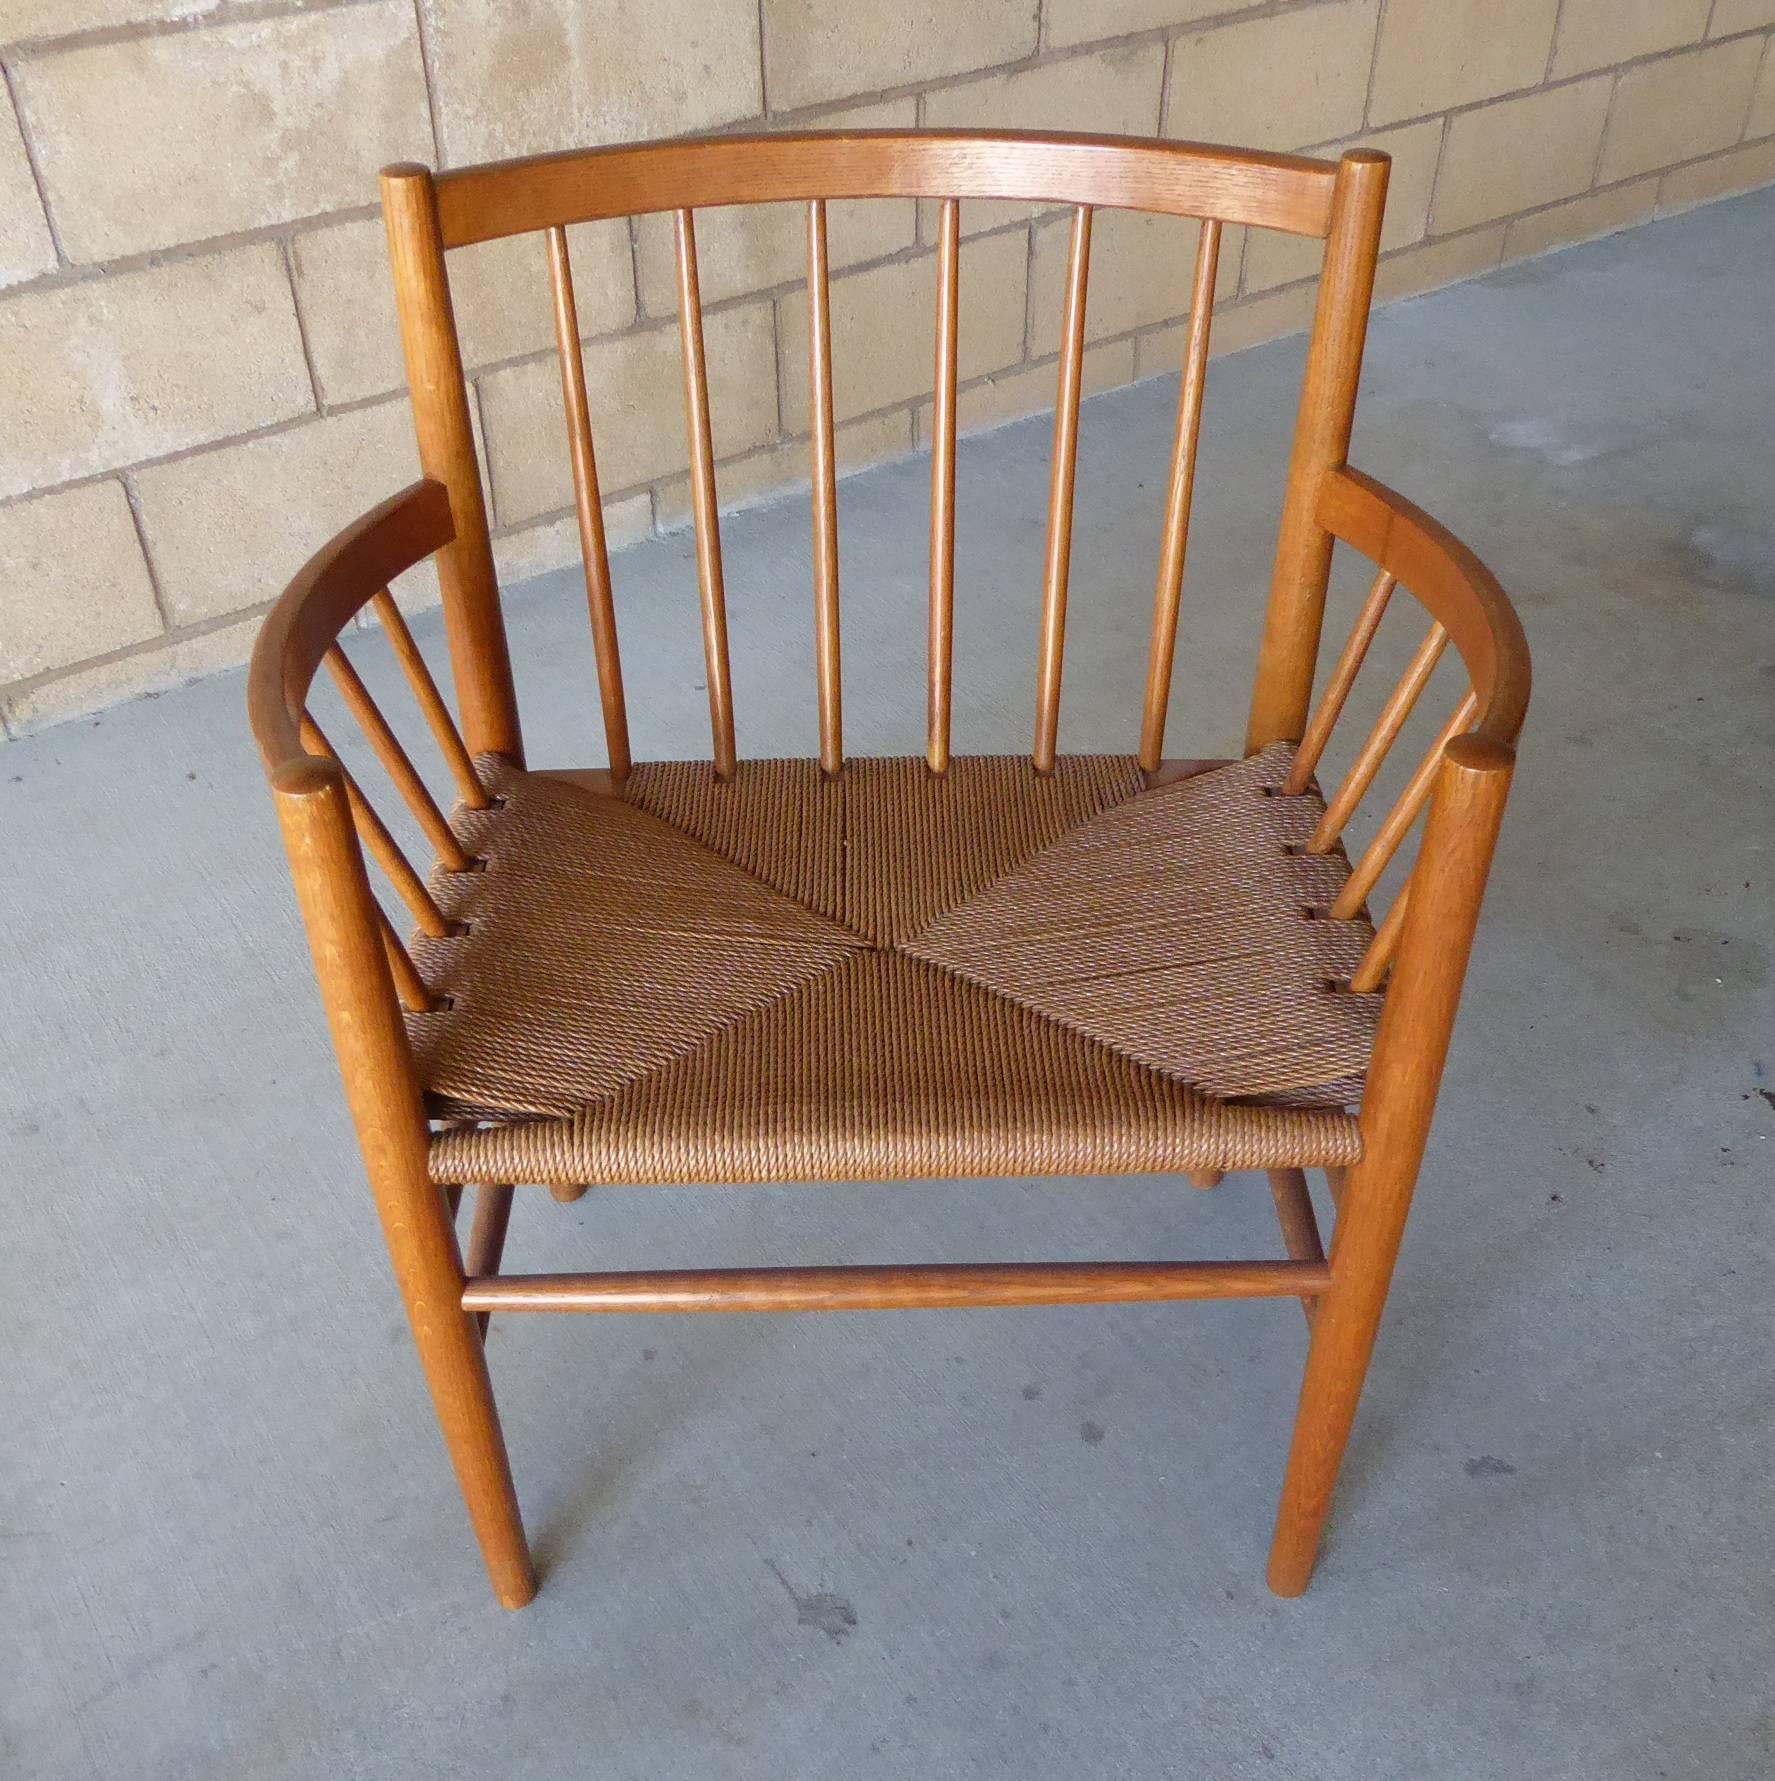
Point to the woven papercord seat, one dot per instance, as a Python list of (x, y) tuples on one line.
[(724, 972), (892, 974)]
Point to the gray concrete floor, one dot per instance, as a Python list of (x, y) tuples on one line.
[(1024, 1544)]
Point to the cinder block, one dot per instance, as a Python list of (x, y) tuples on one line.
[(1520, 153), (153, 141), (73, 583), (26, 250), (1090, 21), (1600, 33), (109, 371), (1680, 108), (179, 661), (1434, 54), (1740, 170), (229, 527), (1583, 219), (815, 51), (522, 80), (1437, 263), (1314, 76)]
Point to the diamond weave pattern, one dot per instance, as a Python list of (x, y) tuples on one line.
[(891, 974)]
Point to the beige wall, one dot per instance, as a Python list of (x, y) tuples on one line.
[(199, 377)]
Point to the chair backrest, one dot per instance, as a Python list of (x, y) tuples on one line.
[(1325, 500), (429, 215)]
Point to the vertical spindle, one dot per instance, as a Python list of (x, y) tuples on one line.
[(825, 491), (704, 504), (588, 503), (1168, 594), (942, 625), (1060, 494)]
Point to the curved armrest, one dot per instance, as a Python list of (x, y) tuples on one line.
[(326, 594), (1457, 589)]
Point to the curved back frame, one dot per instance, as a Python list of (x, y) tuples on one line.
[(1339, 202), (1457, 589), (1289, 192), (327, 593), (319, 801)]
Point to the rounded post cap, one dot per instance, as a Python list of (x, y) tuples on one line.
[(1366, 157), (307, 776), (405, 170), (1477, 754)]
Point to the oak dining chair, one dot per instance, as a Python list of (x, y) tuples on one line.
[(935, 966)]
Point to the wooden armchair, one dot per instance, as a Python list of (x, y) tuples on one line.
[(842, 969)]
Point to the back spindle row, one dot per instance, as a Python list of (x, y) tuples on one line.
[(705, 502)]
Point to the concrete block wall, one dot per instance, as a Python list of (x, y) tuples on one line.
[(199, 372)]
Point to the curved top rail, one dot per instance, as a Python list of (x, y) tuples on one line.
[(321, 601), (1426, 559), (1287, 192)]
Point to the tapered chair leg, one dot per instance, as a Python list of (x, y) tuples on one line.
[(1344, 1325), (455, 1362), (383, 1092), (428, 1269), (1409, 1051)]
